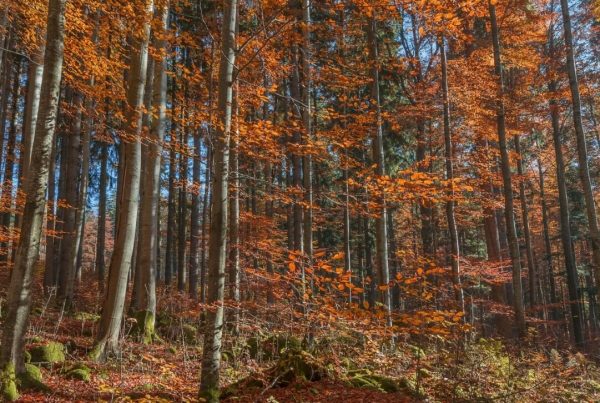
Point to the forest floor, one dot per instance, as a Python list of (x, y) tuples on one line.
[(169, 370)]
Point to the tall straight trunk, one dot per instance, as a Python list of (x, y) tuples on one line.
[(565, 224), (107, 340), (171, 211), (49, 279), (547, 244), (182, 222), (307, 125), (20, 289), (531, 265), (211, 357), (381, 236), (205, 218), (32, 103), (582, 154), (195, 225), (509, 213), (148, 234), (10, 159), (101, 235), (67, 259), (234, 218), (450, 204)]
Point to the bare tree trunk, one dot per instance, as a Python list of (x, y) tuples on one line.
[(531, 266), (67, 259), (306, 122), (20, 289), (211, 358), (11, 163), (147, 264), (32, 103), (547, 244), (582, 154), (234, 219), (381, 236), (107, 341), (101, 235), (450, 204), (509, 214)]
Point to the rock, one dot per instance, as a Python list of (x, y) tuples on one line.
[(51, 353), (79, 372), (8, 384), (32, 379)]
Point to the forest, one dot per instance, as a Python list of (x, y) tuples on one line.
[(299, 201)]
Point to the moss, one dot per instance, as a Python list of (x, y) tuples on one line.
[(172, 350), (32, 379), (211, 395), (8, 383), (52, 353), (375, 382), (145, 326), (81, 374), (27, 356)]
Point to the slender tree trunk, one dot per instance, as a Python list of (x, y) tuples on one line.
[(547, 244), (509, 214), (32, 103), (450, 204), (195, 227), (381, 236), (307, 124), (211, 358), (147, 264), (67, 259), (531, 266), (107, 341), (101, 235), (565, 224), (20, 289), (582, 154), (234, 220), (11, 162)]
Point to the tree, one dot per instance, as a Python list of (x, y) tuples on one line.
[(217, 248), (20, 292), (107, 340)]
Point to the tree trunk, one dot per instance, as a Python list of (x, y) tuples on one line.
[(509, 214), (32, 104), (147, 264), (582, 154), (101, 235), (531, 266), (20, 289), (381, 236), (450, 204), (211, 358), (107, 340)]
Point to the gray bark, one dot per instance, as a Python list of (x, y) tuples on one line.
[(20, 289), (107, 341), (211, 358), (509, 213)]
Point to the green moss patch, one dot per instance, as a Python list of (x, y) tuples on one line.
[(50, 353)]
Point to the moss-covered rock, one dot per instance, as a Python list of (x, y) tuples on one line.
[(32, 379), (8, 383), (51, 353), (375, 382), (79, 372)]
